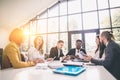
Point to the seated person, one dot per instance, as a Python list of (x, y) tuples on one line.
[(56, 52), (36, 52), (99, 52), (11, 54), (77, 52), (112, 55)]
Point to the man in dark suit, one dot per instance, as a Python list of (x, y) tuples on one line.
[(112, 55), (56, 52), (77, 52)]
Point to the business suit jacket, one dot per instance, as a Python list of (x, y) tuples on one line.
[(112, 59), (73, 51), (54, 53)]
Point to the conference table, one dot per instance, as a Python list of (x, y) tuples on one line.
[(92, 72)]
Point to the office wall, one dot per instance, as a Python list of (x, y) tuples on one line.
[(4, 34)]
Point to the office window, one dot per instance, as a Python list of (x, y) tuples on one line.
[(114, 3), (53, 24), (33, 27), (32, 37), (74, 6), (63, 8), (63, 23), (43, 15), (115, 14), (90, 20), (90, 43), (74, 22), (88, 5), (44, 45), (102, 4), (104, 19), (42, 26), (52, 41), (64, 37), (53, 11), (116, 33)]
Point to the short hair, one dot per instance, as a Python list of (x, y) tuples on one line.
[(60, 41), (78, 40), (17, 36), (108, 35)]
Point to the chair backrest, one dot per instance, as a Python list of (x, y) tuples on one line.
[(1, 52)]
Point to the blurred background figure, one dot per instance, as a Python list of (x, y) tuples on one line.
[(11, 55), (56, 52)]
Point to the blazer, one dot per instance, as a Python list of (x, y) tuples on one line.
[(112, 59), (54, 53), (73, 51), (12, 58)]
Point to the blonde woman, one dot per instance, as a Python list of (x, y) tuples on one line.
[(36, 52)]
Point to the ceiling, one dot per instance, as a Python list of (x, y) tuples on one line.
[(14, 13)]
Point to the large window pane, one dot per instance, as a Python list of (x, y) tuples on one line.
[(116, 33), (102, 4), (52, 41), (90, 43), (42, 26), (90, 20), (44, 45), (43, 15), (63, 23), (53, 11), (115, 17), (114, 3), (75, 37), (53, 24), (64, 37), (89, 5), (104, 19), (63, 8), (75, 22), (74, 6), (33, 27)]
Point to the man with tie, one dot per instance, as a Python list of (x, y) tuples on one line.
[(77, 52)]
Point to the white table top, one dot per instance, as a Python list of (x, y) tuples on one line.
[(31, 73)]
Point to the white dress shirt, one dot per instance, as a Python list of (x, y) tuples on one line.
[(79, 53), (33, 53)]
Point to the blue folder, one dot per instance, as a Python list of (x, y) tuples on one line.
[(70, 70)]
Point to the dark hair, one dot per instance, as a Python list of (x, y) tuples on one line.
[(60, 41), (100, 47), (97, 45), (78, 40), (108, 35)]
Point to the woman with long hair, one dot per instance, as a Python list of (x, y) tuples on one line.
[(100, 48), (36, 52)]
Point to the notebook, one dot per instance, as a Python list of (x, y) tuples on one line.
[(69, 70)]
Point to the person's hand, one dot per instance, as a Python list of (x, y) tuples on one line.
[(77, 56), (36, 61), (49, 59), (41, 60), (87, 58)]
